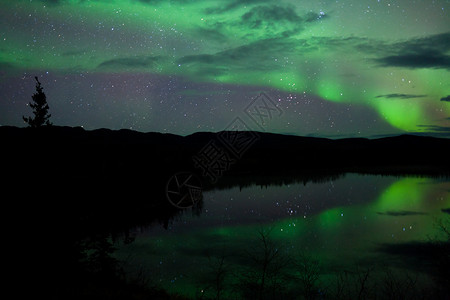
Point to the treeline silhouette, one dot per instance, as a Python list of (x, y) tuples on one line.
[(106, 153), (70, 193), (119, 177)]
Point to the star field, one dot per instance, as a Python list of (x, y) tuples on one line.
[(335, 68)]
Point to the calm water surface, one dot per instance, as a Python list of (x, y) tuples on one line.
[(346, 223)]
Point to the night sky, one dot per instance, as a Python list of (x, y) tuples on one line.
[(334, 68)]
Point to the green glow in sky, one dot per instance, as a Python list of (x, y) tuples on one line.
[(401, 211), (390, 56)]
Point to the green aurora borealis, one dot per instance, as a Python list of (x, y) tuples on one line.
[(343, 223), (335, 68)]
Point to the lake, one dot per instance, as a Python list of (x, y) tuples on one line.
[(341, 231)]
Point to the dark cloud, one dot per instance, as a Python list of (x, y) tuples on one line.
[(313, 17), (347, 44), (273, 20), (433, 42), (371, 46), (277, 20), (159, 1), (400, 96), (429, 52), (433, 130), (232, 5), (213, 34), (401, 213), (200, 58), (416, 61), (436, 128), (262, 21), (57, 2), (52, 2), (149, 2), (254, 56), (273, 13), (131, 62), (446, 98)]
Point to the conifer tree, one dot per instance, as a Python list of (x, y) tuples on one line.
[(40, 108)]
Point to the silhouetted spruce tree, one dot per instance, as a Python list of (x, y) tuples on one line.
[(40, 108)]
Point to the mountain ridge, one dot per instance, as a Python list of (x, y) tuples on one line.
[(74, 149), (117, 132)]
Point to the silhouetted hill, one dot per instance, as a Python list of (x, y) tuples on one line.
[(116, 178), (126, 170), (107, 165), (78, 153)]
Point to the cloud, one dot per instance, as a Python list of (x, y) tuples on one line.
[(272, 21), (433, 130), (436, 128), (429, 52), (273, 13), (150, 2), (52, 2), (232, 5), (430, 60), (246, 54), (400, 96), (434, 42), (131, 62), (446, 98), (211, 34), (401, 213), (261, 20), (253, 56), (313, 17)]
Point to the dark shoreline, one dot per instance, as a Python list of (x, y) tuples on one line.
[(127, 172), (76, 151)]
